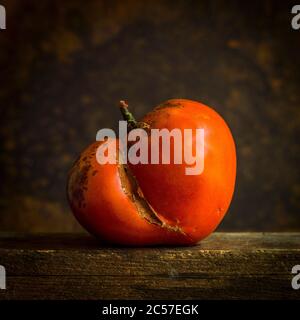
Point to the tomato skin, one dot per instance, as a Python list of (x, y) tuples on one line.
[(188, 207), (196, 203)]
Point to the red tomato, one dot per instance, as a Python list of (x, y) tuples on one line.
[(149, 204)]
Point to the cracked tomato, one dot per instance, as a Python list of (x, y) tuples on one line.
[(150, 204)]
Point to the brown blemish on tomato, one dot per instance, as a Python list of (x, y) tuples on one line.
[(78, 178), (168, 104)]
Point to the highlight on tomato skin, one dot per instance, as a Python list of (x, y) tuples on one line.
[(156, 204)]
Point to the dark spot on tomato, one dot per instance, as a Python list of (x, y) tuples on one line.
[(94, 172), (169, 104)]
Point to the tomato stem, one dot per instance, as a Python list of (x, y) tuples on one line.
[(128, 116)]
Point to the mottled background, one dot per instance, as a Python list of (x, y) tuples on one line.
[(65, 64)]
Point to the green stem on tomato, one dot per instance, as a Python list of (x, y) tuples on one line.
[(128, 116)]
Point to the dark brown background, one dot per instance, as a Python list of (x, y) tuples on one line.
[(65, 64)]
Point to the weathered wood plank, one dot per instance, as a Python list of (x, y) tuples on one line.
[(226, 265)]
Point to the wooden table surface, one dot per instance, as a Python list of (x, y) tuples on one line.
[(225, 265)]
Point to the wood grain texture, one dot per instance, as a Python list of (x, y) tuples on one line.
[(226, 265)]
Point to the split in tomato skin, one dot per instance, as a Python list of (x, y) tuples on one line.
[(151, 204)]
